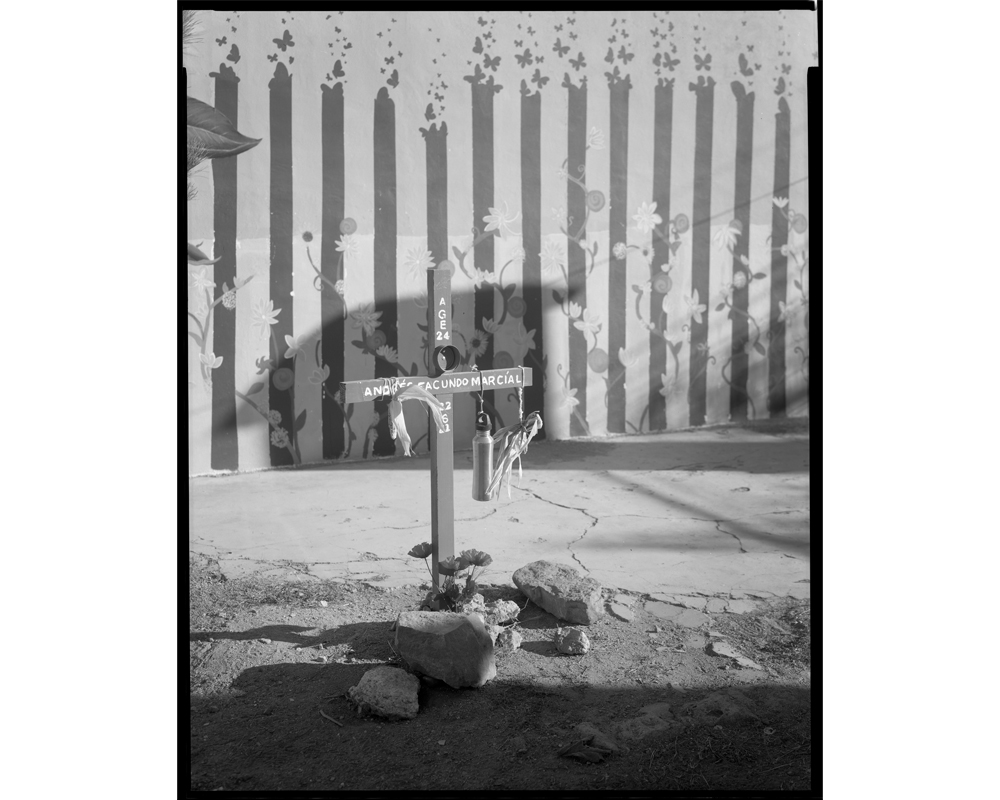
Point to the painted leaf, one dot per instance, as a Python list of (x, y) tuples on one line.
[(675, 246), (457, 252), (759, 276), (198, 258), (198, 340), (300, 420), (212, 134), (759, 348), (557, 296), (255, 388), (720, 306), (359, 344), (797, 285)]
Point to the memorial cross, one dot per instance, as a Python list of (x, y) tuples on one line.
[(443, 384)]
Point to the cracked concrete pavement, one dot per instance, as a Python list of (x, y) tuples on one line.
[(710, 515)]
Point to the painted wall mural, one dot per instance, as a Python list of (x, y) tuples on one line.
[(624, 198)]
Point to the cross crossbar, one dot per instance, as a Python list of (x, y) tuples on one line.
[(443, 384)]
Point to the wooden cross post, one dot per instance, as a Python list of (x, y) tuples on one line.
[(443, 383)]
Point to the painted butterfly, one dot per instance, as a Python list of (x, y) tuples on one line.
[(491, 63), (291, 59), (531, 31), (234, 55), (338, 70), (703, 63), (750, 47), (284, 42), (273, 57), (538, 79), (578, 63), (393, 80), (780, 87), (560, 48), (540, 59), (519, 43), (610, 57), (525, 59), (669, 62), (744, 66), (625, 57), (478, 48), (558, 28), (785, 68), (221, 41), (390, 60), (574, 35)]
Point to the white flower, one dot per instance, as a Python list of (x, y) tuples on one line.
[(210, 360), (568, 399), (500, 221), (366, 317), (591, 322), (725, 237), (294, 346), (620, 250), (339, 286), (418, 261), (595, 139), (274, 417), (348, 244), (517, 253), (420, 300), (552, 255), (265, 315), (744, 260), (646, 217), (559, 214), (666, 388), (780, 202), (694, 308), (481, 277), (319, 375), (490, 325), (201, 280), (388, 353), (575, 310), (279, 437), (524, 337), (627, 359)]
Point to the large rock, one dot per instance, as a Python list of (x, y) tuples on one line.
[(561, 591), (454, 648), (386, 692)]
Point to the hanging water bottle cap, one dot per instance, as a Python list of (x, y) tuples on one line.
[(483, 422)]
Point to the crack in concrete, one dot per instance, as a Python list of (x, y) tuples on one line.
[(718, 522), (593, 522)]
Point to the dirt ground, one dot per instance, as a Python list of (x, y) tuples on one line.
[(266, 657)]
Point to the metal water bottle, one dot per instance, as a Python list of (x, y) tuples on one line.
[(482, 457)]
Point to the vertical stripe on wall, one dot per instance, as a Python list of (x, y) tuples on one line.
[(531, 229), (618, 224), (385, 252), (225, 449), (779, 263), (482, 199), (701, 242), (741, 294), (576, 263), (663, 111), (436, 143), (280, 125), (333, 311)]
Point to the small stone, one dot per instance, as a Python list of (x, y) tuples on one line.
[(474, 605), (494, 631), (441, 741), (727, 650), (264, 641), (387, 692), (323, 603), (501, 611), (572, 641), (509, 639), (622, 612), (518, 745), (600, 739), (561, 591)]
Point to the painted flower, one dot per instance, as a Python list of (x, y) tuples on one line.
[(595, 139), (665, 388), (500, 221), (388, 353), (265, 315), (264, 364), (294, 346), (661, 282), (200, 279), (568, 399), (450, 566), (229, 299), (591, 322), (560, 174), (339, 287), (744, 260), (210, 360), (575, 309), (377, 340), (517, 253), (739, 279), (283, 378), (559, 214), (620, 250), (348, 225), (524, 337), (726, 293), (478, 343), (421, 550), (348, 245), (503, 360), (516, 307), (279, 437), (694, 307), (726, 237), (420, 300), (482, 277), (787, 310), (552, 256), (800, 223), (646, 218), (490, 325), (366, 317), (320, 376), (274, 417), (779, 202), (418, 261), (595, 200), (627, 359), (476, 558), (681, 223)]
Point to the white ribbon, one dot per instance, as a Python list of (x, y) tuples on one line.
[(397, 425), (513, 441)]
